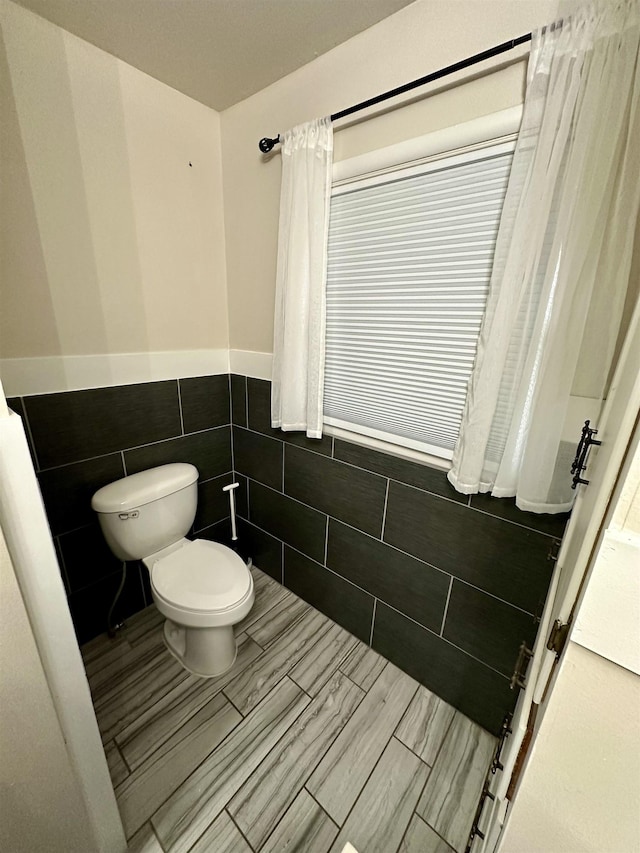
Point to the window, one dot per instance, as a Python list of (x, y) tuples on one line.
[(409, 262)]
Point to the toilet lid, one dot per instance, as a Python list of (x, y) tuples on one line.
[(201, 576)]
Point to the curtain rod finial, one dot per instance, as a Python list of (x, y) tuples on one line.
[(266, 144)]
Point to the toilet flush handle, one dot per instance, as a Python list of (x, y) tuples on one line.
[(232, 508)]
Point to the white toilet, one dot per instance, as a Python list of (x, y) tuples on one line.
[(202, 587)]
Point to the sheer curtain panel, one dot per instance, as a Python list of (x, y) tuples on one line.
[(562, 261), (299, 323)]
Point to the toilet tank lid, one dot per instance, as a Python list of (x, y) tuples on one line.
[(145, 487)]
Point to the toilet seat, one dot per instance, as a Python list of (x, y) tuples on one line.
[(202, 577)]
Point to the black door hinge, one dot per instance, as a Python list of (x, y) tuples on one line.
[(524, 656), (558, 637)]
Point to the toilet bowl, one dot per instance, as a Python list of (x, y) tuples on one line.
[(202, 588)]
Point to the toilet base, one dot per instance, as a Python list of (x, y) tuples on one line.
[(205, 652)]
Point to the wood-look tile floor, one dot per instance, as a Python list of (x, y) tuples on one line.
[(311, 740)]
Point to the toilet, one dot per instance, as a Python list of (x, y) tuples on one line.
[(202, 588)]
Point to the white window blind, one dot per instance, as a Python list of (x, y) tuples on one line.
[(409, 264)]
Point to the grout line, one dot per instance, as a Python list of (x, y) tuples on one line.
[(283, 455), (373, 769), (231, 702), (142, 569), (388, 545), (326, 541), (246, 402), (230, 816), (121, 754), (444, 737), (133, 447), (461, 503), (281, 562), (446, 607), (384, 511), (30, 442), (304, 787), (155, 834), (230, 399), (63, 566), (337, 574), (445, 640), (516, 523), (373, 622), (346, 524), (248, 504), (297, 446), (233, 451), (333, 447), (124, 464), (180, 406)]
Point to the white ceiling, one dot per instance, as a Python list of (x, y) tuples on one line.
[(216, 51)]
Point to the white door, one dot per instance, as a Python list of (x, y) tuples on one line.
[(615, 429)]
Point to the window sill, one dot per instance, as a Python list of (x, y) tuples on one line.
[(418, 456)]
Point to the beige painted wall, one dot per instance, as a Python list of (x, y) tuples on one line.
[(420, 38), (580, 792), (110, 241), (41, 810)]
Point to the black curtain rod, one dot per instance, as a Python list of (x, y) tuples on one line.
[(266, 144)]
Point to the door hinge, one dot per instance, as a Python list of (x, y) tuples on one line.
[(558, 637), (524, 656), (554, 551)]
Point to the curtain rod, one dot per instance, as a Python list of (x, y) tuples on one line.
[(266, 144)]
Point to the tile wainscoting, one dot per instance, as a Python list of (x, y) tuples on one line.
[(82, 440), (444, 586)]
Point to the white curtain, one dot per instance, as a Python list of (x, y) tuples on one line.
[(562, 261), (299, 325)]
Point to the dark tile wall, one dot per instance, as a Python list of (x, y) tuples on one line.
[(82, 440), (444, 586)]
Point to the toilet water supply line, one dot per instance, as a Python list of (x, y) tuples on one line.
[(232, 508)]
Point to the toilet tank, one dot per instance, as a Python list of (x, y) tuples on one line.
[(145, 512)]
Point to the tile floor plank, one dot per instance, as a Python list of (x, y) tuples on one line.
[(138, 626), (384, 808), (185, 816), (116, 673), (252, 685), (149, 786), (267, 794), (363, 666), (420, 838), (101, 646), (267, 594), (159, 725), (144, 841), (111, 656), (337, 781), (276, 621), (124, 705), (223, 836), (424, 725), (118, 770), (176, 706), (305, 828), (321, 661), (451, 795)]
